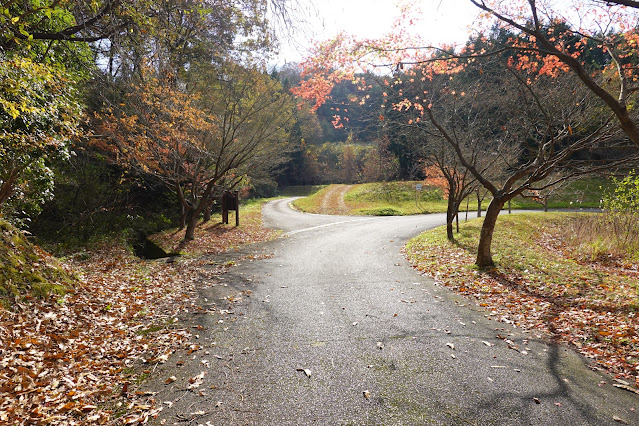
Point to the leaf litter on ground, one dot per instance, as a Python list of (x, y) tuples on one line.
[(73, 359), (541, 283)]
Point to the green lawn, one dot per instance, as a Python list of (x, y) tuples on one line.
[(401, 198)]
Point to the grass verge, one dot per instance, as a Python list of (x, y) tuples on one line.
[(215, 237), (542, 283), (401, 198)]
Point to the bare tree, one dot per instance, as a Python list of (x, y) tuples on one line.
[(548, 36), (543, 128)]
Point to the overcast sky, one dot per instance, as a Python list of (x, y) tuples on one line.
[(444, 21)]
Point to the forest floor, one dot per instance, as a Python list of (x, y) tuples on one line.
[(78, 358)]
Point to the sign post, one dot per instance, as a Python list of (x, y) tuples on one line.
[(230, 201)]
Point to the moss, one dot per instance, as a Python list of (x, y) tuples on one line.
[(26, 270)]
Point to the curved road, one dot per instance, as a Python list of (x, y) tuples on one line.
[(382, 344)]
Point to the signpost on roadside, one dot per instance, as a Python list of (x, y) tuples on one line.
[(418, 193), (230, 201)]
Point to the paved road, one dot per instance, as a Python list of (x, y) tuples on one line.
[(383, 344)]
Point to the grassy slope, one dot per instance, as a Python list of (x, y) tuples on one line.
[(542, 283), (400, 198), (394, 198), (27, 270), (312, 202)]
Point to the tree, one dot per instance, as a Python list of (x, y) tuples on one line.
[(380, 165), (607, 26), (230, 125), (63, 20), (533, 128), (349, 169), (39, 114), (547, 131)]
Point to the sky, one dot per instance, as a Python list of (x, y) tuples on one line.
[(444, 21)]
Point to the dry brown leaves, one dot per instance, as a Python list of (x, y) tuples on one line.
[(73, 359), (593, 310), (214, 237)]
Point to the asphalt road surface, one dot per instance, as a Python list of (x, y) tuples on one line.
[(381, 344)]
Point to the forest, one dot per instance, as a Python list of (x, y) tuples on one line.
[(120, 120)]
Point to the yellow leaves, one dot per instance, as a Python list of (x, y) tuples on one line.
[(10, 108)]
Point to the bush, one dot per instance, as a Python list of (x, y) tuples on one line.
[(384, 211), (624, 196), (614, 234)]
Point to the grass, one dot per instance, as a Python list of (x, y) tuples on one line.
[(394, 198), (301, 191), (543, 282), (401, 198), (609, 237), (313, 202)]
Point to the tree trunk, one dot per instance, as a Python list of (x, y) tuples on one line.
[(484, 256), (7, 187), (182, 217), (207, 211), (450, 217), (191, 223), (478, 204), (466, 220)]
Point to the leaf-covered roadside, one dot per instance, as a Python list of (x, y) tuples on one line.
[(541, 283), (214, 237), (76, 359)]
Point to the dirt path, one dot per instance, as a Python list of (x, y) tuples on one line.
[(333, 201)]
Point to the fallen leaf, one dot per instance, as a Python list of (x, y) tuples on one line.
[(367, 394), (620, 420), (306, 371), (450, 345), (626, 387), (170, 380)]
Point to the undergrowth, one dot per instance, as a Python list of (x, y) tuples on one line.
[(611, 236)]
